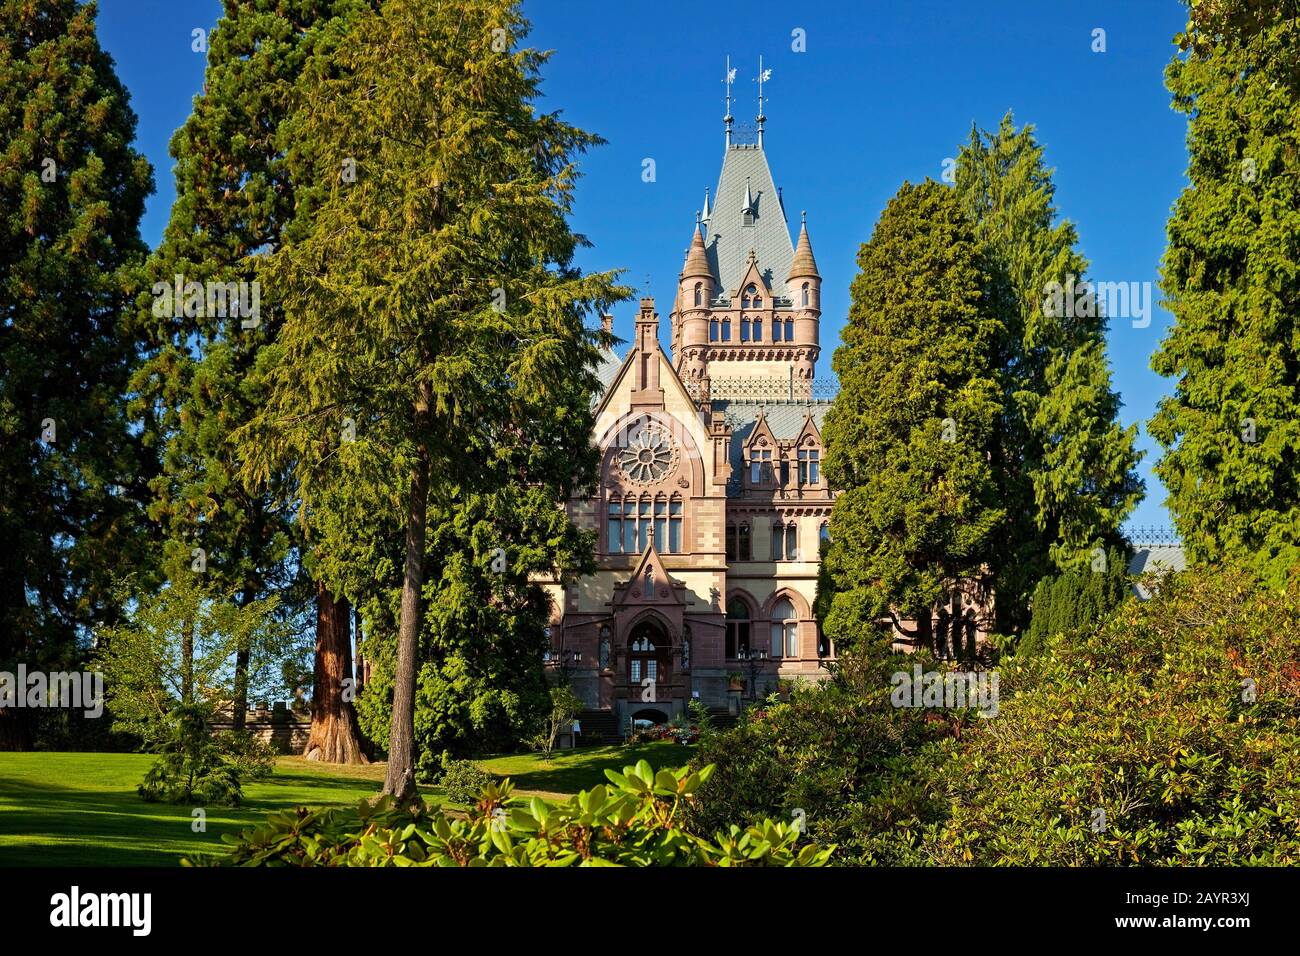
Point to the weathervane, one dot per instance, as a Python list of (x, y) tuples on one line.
[(728, 79), (762, 75)]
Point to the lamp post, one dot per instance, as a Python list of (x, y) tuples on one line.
[(754, 659)]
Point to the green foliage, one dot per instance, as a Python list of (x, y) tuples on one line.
[(1150, 719), (909, 436), (1063, 464), (635, 820), (192, 765), (463, 780), (840, 753), (1075, 599), (178, 646), (1230, 274), (72, 191), (565, 706)]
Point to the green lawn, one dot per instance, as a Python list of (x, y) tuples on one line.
[(81, 809)]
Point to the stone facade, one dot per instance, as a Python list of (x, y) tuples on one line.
[(711, 504)]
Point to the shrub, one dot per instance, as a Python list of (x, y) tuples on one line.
[(840, 753), (192, 767), (1140, 742), (634, 821), (463, 780)]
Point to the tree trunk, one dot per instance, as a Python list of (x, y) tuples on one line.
[(239, 707), (400, 781), (925, 628), (360, 658), (335, 736)]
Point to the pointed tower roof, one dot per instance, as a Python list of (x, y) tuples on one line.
[(697, 259), (748, 204), (804, 265), (746, 184), (706, 214)]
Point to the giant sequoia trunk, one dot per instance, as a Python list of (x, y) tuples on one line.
[(335, 736), (400, 781)]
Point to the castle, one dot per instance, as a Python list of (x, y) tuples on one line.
[(711, 503)]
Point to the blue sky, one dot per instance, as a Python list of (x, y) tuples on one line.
[(883, 92)]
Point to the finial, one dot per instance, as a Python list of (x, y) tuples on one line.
[(762, 75), (803, 218), (727, 119)]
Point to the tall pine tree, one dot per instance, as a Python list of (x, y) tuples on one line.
[(72, 191), (236, 198), (1065, 467), (909, 438), (1231, 276), (433, 317)]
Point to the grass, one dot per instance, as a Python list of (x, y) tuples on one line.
[(81, 809), (569, 771)]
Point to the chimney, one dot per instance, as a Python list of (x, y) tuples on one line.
[(607, 323)]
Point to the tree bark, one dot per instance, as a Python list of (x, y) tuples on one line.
[(400, 780), (187, 663), (239, 707), (335, 736)]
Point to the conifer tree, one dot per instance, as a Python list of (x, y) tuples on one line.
[(72, 191), (1065, 467), (1230, 432), (433, 317), (235, 200), (909, 437)]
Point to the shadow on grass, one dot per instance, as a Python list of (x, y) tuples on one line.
[(569, 771)]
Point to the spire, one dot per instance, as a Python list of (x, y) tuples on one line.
[(762, 75), (804, 265), (697, 261), (727, 119), (707, 213), (748, 205)]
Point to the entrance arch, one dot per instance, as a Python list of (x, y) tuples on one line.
[(649, 654)]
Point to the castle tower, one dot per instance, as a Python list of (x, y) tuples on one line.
[(748, 306)]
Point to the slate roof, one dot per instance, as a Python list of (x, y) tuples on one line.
[(1158, 556), (785, 418), (728, 240)]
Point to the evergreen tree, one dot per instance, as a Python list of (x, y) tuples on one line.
[(72, 191), (909, 438), (1064, 464), (433, 317), (1230, 433), (235, 200)]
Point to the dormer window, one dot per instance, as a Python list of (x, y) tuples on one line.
[(751, 298), (748, 217)]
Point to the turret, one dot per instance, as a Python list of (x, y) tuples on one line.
[(804, 285), (694, 295)]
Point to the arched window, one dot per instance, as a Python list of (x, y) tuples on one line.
[(737, 628), (789, 330), (776, 330), (629, 525), (643, 660), (661, 523), (778, 541), (713, 330), (805, 294), (643, 526), (744, 328), (758, 330), (824, 532), (699, 293), (726, 330), (614, 537), (675, 524), (747, 298), (785, 630)]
